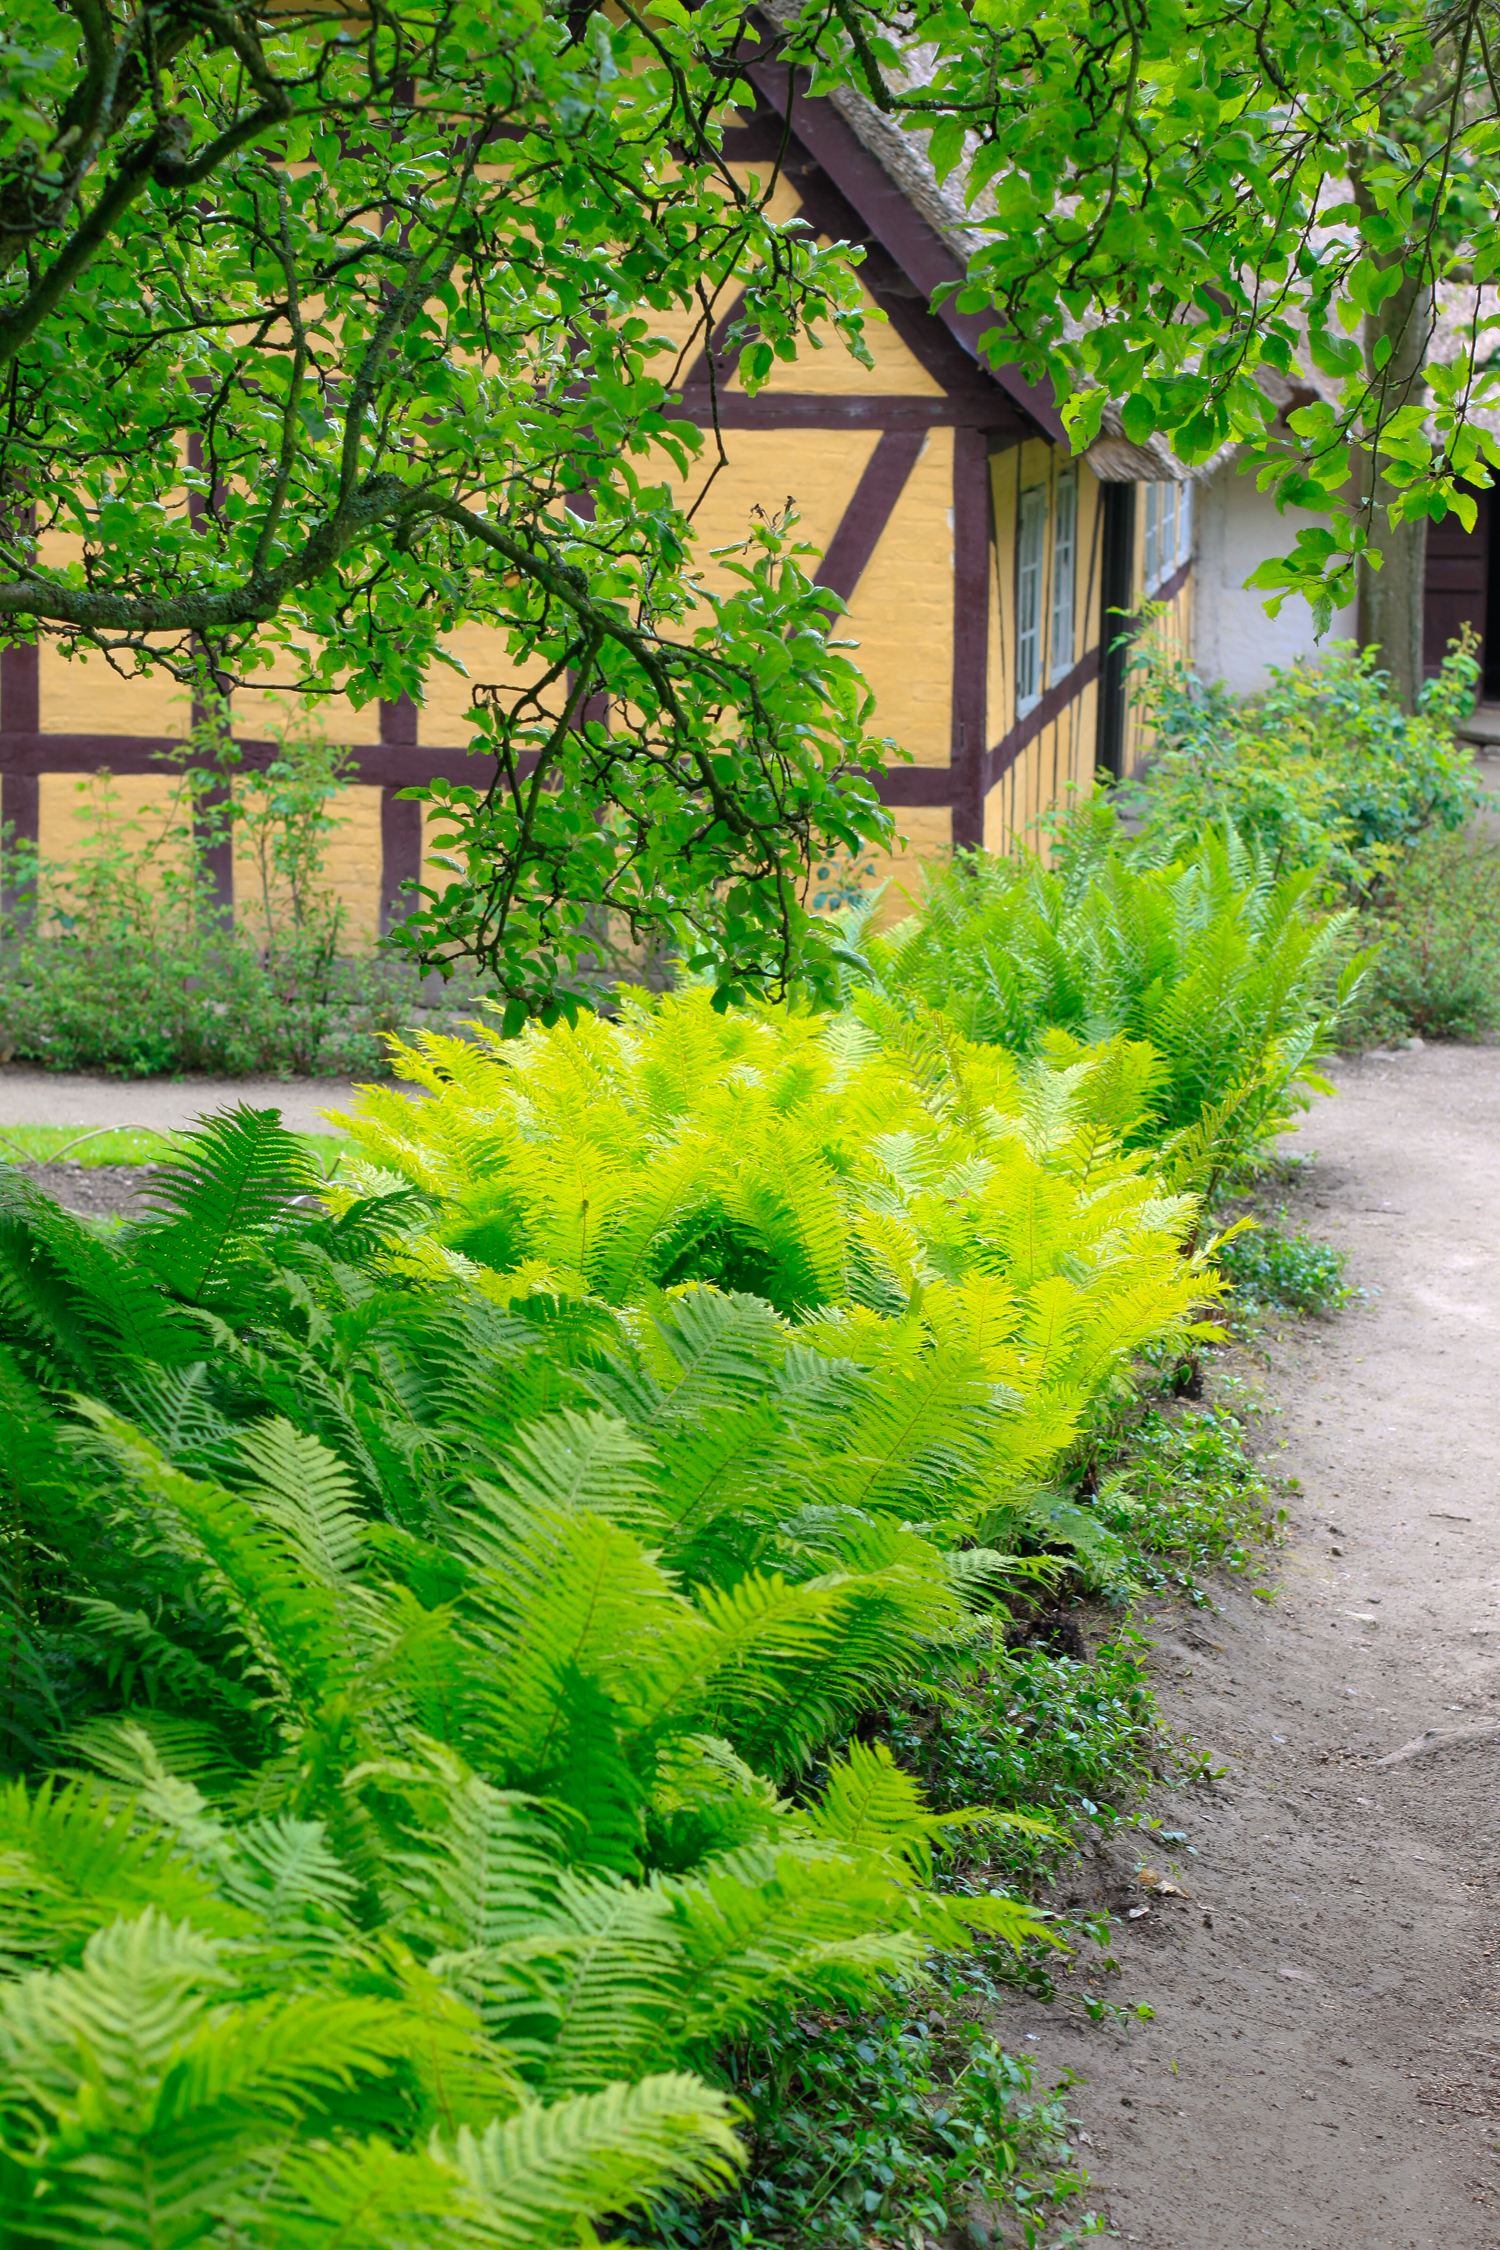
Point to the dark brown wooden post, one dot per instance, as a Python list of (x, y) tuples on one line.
[(400, 821), (971, 632), (20, 785), (1116, 590)]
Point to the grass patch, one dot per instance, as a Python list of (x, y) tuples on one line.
[(122, 1144)]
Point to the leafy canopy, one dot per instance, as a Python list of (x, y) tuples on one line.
[(323, 338)]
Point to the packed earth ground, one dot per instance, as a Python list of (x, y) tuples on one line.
[(1323, 2066)]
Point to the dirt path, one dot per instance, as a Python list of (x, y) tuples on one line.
[(166, 1105), (1323, 2070)]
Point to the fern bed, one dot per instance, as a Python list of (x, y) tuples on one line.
[(449, 1608)]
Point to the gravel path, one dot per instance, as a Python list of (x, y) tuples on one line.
[(1323, 2070), (165, 1105)]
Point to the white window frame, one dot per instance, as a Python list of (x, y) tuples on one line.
[(1184, 522), (1031, 543), (1151, 570), (1169, 531), (1064, 572)]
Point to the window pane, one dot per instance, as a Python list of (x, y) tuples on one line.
[(1153, 537), (1029, 598), (1064, 574)]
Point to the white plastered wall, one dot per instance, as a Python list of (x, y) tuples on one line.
[(1233, 638)]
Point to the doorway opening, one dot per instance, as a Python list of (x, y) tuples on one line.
[(1462, 586)]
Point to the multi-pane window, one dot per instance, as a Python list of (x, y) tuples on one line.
[(1029, 558), (1184, 521), (1064, 573), (1169, 531), (1153, 559)]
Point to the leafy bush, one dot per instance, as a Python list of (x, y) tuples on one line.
[(1437, 972), (138, 1006), (1221, 966), (119, 959), (1323, 771), (1290, 1271)]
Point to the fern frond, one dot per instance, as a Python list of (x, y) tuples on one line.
[(543, 2172), (238, 1175), (296, 1483)]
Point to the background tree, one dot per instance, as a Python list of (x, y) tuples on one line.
[(320, 337)]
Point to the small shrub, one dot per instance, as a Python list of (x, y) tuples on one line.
[(1324, 770), (119, 960), (1290, 1272), (1437, 973), (135, 1007)]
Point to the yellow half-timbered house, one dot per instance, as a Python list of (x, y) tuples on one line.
[(989, 574)]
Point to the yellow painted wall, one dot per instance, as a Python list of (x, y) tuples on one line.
[(824, 365), (352, 863), (902, 611), (1055, 768), (262, 711), (925, 834), (139, 808), (84, 695)]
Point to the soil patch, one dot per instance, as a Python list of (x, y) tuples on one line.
[(94, 1191), (1323, 2069)]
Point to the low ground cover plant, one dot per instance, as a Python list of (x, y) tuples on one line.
[(903, 2119), (1028, 1725), (1181, 1488), (1267, 1268)]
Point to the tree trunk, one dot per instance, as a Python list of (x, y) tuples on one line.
[(1390, 599)]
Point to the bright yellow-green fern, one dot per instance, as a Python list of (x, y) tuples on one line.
[(909, 1198)]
